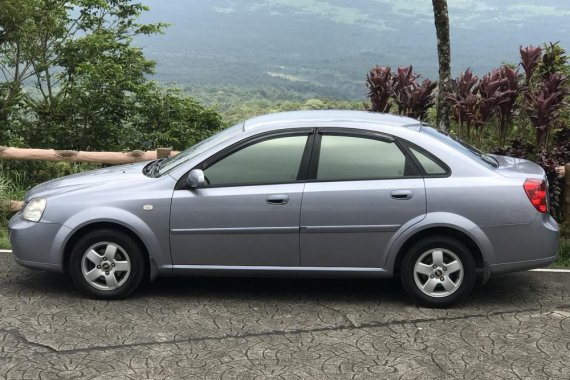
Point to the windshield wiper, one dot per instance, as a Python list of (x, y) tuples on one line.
[(152, 169), (157, 166)]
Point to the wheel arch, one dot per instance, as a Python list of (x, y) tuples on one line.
[(445, 224), (149, 234), (77, 234), (454, 233)]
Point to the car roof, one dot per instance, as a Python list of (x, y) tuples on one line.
[(302, 118)]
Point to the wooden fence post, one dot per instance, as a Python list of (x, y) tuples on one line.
[(163, 152), (567, 193)]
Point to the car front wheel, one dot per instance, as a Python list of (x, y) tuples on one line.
[(438, 271), (106, 264)]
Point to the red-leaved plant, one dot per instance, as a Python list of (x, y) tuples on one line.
[(509, 91), (412, 98), (475, 102), (490, 96), (530, 59), (380, 85), (544, 103), (464, 101)]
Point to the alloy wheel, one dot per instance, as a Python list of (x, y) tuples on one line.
[(438, 272), (106, 266)]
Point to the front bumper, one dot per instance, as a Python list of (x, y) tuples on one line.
[(37, 245)]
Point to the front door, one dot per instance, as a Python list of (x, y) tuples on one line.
[(248, 214), (363, 189)]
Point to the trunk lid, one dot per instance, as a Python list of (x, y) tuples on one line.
[(518, 168)]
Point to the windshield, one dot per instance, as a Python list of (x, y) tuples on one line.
[(186, 155), (460, 145)]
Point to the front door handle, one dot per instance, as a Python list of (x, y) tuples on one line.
[(402, 194), (277, 199)]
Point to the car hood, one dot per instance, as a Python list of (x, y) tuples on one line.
[(131, 172), (518, 168)]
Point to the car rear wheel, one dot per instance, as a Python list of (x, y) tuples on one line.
[(438, 271), (106, 264)]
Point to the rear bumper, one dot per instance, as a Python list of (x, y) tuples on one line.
[(523, 247), (522, 265)]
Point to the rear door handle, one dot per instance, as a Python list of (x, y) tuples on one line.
[(401, 194), (277, 199)]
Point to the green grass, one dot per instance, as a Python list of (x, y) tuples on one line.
[(563, 260), (4, 240)]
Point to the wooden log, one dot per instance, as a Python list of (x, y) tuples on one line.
[(16, 205), (12, 206), (7, 153)]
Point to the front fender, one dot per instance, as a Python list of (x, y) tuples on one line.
[(439, 219), (158, 247)]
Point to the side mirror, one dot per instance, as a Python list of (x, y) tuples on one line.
[(196, 179)]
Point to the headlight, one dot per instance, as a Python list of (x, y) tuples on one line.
[(34, 209)]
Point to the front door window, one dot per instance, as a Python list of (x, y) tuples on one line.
[(272, 161)]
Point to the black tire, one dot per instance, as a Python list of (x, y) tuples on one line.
[(421, 249), (126, 246)]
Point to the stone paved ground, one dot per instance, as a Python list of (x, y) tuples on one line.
[(517, 326)]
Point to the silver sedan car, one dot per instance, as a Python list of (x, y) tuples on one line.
[(317, 193)]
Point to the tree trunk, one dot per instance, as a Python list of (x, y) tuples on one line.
[(444, 57)]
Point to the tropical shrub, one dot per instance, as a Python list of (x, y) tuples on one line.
[(74, 80), (545, 87), (464, 102), (411, 97), (380, 83)]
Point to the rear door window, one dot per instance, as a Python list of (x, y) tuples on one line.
[(347, 157)]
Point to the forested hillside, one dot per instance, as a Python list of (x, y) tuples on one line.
[(318, 48)]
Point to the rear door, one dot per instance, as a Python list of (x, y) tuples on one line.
[(362, 188)]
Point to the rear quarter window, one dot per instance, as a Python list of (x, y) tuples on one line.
[(430, 166)]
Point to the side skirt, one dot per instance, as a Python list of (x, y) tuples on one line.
[(274, 271)]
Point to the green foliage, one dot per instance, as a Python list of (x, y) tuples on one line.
[(554, 60), (238, 104), (9, 190), (26, 174), (165, 117), (4, 238), (564, 252), (91, 87)]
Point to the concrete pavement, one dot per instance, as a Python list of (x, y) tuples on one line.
[(517, 326)]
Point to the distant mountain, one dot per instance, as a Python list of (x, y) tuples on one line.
[(325, 48)]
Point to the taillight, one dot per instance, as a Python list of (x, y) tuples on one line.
[(536, 192)]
